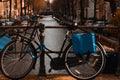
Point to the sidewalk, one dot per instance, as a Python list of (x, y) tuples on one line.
[(64, 77)]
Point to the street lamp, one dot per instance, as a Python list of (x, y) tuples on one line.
[(50, 1)]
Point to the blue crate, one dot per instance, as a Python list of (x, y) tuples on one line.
[(4, 40), (84, 43)]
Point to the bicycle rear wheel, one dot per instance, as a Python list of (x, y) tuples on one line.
[(85, 67), (16, 59)]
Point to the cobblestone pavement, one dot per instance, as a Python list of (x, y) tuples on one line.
[(64, 77)]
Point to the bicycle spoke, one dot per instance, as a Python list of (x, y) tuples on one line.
[(17, 63), (87, 66)]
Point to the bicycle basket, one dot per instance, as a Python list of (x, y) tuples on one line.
[(83, 43)]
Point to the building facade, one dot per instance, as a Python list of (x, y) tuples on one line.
[(15, 8), (4, 9), (73, 9), (98, 9)]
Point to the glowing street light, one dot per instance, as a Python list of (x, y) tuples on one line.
[(51, 1)]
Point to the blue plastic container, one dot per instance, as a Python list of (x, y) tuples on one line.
[(4, 40), (84, 43)]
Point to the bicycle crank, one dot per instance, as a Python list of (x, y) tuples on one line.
[(57, 64)]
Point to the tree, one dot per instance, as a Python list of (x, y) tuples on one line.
[(10, 9), (39, 5), (116, 19), (116, 22), (63, 8), (57, 7), (112, 6)]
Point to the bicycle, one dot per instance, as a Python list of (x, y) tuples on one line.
[(19, 57)]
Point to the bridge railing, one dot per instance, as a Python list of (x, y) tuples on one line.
[(104, 39)]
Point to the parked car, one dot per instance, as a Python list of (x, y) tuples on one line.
[(6, 22)]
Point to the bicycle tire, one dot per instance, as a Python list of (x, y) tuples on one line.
[(85, 69), (12, 65)]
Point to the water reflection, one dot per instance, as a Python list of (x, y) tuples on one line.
[(53, 40)]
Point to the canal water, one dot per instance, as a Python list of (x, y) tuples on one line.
[(53, 40)]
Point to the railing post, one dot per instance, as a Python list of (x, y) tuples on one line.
[(42, 70)]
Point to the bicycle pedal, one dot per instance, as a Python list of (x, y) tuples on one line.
[(94, 63), (78, 72)]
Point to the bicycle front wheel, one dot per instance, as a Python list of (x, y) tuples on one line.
[(16, 59), (85, 67)]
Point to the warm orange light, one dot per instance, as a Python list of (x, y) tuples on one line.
[(51, 1)]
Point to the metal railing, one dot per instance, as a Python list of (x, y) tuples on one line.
[(84, 28)]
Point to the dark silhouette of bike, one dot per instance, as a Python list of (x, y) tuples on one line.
[(19, 56)]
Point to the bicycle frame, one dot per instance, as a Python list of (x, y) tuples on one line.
[(39, 34), (42, 49)]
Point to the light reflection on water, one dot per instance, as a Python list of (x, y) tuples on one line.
[(53, 41)]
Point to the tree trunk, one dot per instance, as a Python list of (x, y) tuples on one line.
[(10, 9), (21, 7)]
